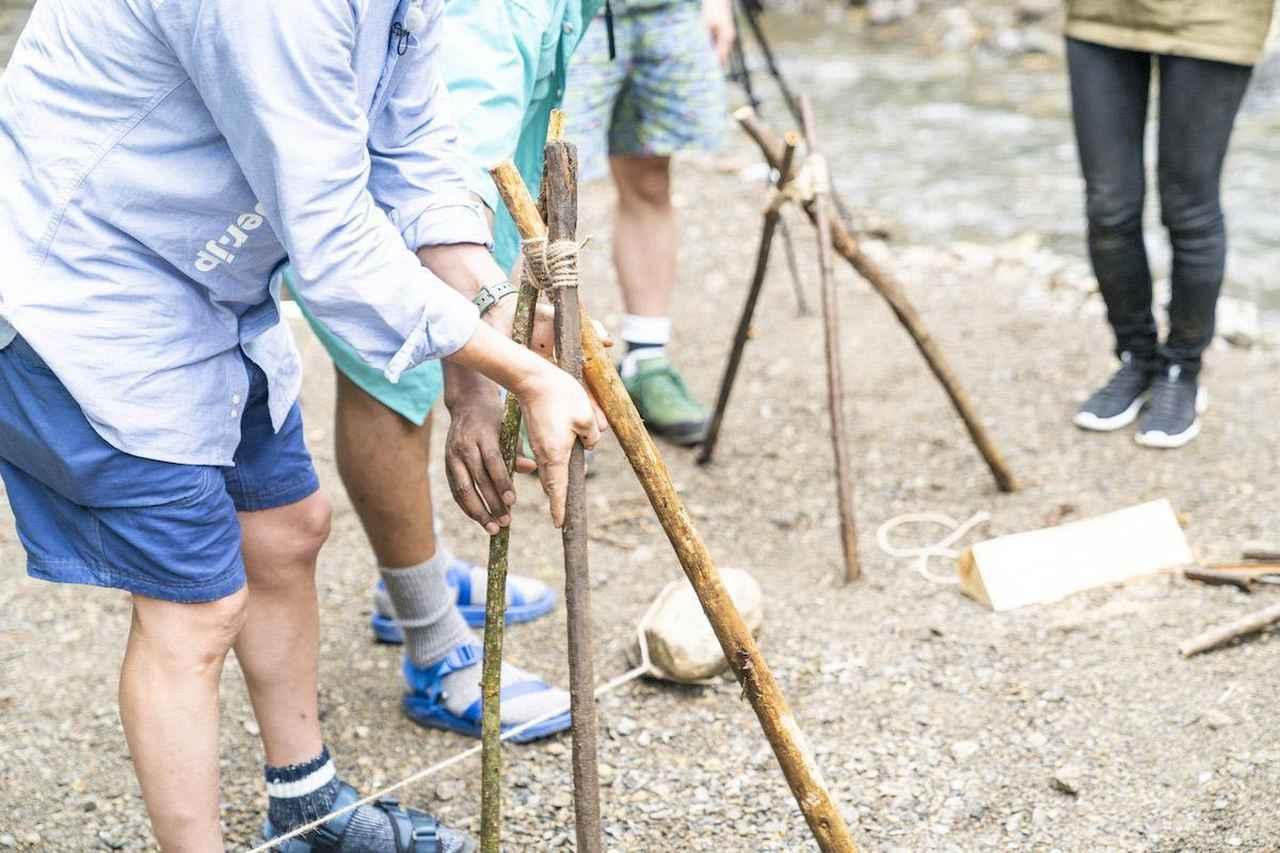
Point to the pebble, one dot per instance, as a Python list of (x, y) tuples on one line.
[(1066, 780), (1216, 719), (7, 840), (964, 749), (625, 727)]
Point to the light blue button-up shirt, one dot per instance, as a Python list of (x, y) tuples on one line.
[(162, 158)]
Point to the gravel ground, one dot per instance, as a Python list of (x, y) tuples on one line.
[(941, 726)]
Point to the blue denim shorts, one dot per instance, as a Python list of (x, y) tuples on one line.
[(89, 513)]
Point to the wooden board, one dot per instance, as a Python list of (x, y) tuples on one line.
[(1048, 565)]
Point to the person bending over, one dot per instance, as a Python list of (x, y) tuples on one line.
[(161, 162), (1205, 53)]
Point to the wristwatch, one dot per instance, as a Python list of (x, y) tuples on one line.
[(491, 294)]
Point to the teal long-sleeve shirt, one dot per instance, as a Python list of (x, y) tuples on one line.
[(506, 65)]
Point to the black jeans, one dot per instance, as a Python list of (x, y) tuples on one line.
[(1199, 100)]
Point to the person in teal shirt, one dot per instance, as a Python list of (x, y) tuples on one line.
[(506, 65)]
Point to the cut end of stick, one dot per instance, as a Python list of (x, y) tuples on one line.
[(744, 113), (792, 139), (555, 131)]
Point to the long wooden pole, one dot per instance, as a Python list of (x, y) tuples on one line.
[(846, 245), (560, 182), (739, 646), (772, 214), (831, 336), (495, 610)]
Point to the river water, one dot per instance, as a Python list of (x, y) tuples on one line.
[(979, 147)]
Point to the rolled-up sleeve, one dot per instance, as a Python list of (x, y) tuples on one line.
[(277, 78)]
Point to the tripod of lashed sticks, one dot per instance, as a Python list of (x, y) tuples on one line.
[(810, 188), (739, 646)]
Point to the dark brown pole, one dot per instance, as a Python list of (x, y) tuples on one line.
[(560, 181), (772, 214), (739, 646), (846, 245), (831, 335)]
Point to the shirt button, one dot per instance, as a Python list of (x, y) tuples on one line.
[(235, 398), (568, 27), (234, 413)]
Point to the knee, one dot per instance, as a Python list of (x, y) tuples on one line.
[(307, 530), (1114, 211), (1188, 212), (645, 182), (281, 545), (190, 637)]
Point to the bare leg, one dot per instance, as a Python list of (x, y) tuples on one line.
[(169, 706), (279, 645), (382, 459), (645, 241)]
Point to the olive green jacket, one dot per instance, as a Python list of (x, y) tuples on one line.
[(1223, 30)]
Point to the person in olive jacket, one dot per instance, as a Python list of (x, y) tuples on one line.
[(1205, 52)]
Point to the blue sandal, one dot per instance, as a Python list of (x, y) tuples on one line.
[(458, 576), (415, 831), (424, 703)]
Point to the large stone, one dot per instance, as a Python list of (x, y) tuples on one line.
[(682, 646)]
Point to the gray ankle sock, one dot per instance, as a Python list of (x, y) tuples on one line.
[(425, 606)]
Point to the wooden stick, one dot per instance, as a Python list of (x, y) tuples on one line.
[(560, 179), (831, 335), (846, 245), (496, 605), (1220, 636), (772, 215), (739, 646)]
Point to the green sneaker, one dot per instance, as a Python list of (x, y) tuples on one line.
[(664, 401)]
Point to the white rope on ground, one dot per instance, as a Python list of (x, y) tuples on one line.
[(941, 548), (643, 668)]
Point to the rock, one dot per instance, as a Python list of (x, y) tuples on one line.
[(625, 727), (7, 840), (1036, 10), (1066, 780), (959, 30), (251, 726), (447, 790), (964, 749), (682, 646), (1239, 322), (1216, 719)]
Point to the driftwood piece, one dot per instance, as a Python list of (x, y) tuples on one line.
[(1224, 634), (495, 608), (772, 216), (740, 649), (821, 211), (846, 245), (560, 181)]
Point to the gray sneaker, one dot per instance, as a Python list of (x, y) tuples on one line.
[(1172, 416), (1117, 404)]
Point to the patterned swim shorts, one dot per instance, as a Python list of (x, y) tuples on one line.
[(665, 91)]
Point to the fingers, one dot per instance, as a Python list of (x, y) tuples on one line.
[(525, 465), (468, 499), (476, 466), (554, 475), (496, 467), (602, 333)]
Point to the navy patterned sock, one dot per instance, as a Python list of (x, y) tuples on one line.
[(302, 793)]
